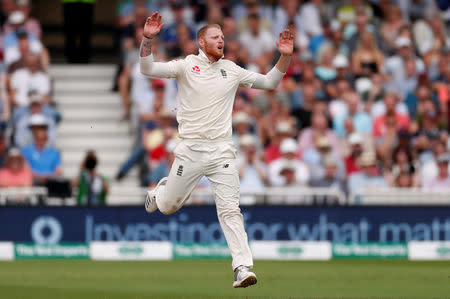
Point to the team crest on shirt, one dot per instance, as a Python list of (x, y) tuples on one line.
[(224, 73)]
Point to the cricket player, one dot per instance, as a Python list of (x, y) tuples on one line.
[(207, 86)]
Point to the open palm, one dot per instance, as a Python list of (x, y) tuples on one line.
[(286, 43), (153, 25)]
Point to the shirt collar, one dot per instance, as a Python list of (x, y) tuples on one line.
[(203, 56)]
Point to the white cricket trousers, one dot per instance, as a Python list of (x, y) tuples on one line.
[(217, 161)]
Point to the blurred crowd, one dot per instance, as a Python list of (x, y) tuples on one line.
[(28, 113), (365, 102)]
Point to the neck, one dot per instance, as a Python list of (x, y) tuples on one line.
[(211, 58)]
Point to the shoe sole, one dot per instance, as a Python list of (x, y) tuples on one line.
[(251, 280)]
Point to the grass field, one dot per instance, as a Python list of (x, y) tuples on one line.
[(83, 279)]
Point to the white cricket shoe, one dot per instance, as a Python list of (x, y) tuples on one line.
[(243, 277), (150, 198)]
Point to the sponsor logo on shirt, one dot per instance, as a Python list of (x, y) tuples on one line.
[(195, 69), (224, 73)]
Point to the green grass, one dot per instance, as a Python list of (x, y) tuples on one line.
[(82, 279)]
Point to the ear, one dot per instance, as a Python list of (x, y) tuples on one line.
[(201, 43)]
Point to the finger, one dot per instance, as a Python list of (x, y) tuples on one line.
[(160, 26), (154, 15), (278, 44), (281, 36), (286, 33), (159, 19)]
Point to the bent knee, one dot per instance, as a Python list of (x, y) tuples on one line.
[(168, 209)]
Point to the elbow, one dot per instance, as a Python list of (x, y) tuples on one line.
[(272, 85), (145, 70)]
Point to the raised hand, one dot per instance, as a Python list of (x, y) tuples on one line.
[(153, 25), (286, 43)]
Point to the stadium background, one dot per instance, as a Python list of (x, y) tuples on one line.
[(347, 159)]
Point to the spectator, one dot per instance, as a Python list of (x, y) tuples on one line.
[(400, 121), (162, 170), (391, 103), (427, 121), (31, 25), (429, 33), (355, 141), (16, 25), (369, 177), (28, 79), (330, 180), (404, 180), (27, 118), (5, 111), (242, 124), (289, 152), (15, 56), (347, 13), (338, 105), (367, 59), (150, 103), (310, 18), (341, 64), (418, 98), (252, 169), (442, 180), (125, 77), (402, 164), (325, 70), (395, 65), (286, 12), (272, 152), (77, 46), (44, 160), (278, 113), (256, 40), (390, 26), (15, 173), (132, 13), (92, 187), (319, 127), (307, 100), (315, 157), (174, 11), (169, 35), (362, 122), (409, 83), (352, 32), (8, 6), (414, 10), (429, 169), (3, 149)]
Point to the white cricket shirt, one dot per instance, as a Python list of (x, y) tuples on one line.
[(206, 92)]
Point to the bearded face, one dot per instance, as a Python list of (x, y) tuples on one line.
[(212, 43)]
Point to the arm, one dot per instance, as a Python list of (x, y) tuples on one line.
[(148, 67), (273, 77)]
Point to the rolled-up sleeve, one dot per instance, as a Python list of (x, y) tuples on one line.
[(151, 68)]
